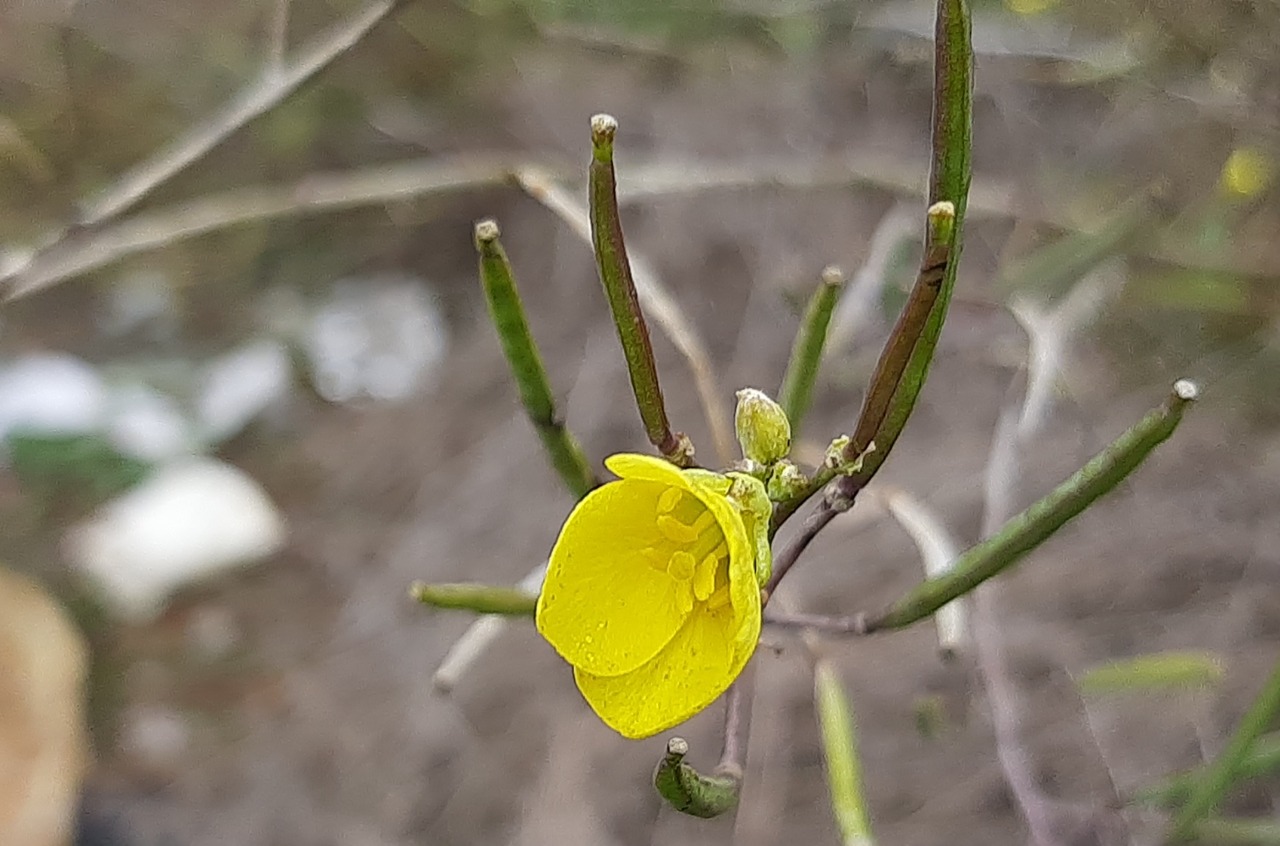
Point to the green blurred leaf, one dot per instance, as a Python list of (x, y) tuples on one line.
[(84, 468), (1156, 671)]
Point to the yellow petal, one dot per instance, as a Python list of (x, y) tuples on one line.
[(606, 605), (710, 488), (647, 467), (698, 665)]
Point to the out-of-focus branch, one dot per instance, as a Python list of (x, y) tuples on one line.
[(840, 751), (67, 254), (1210, 789), (1263, 759), (796, 392), (252, 102)]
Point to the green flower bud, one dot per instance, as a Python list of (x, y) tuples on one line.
[(763, 429), (786, 481)]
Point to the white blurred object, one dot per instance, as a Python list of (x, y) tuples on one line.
[(51, 393), (239, 386), (141, 300), (376, 338), (191, 520), (146, 424)]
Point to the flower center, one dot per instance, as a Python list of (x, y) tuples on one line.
[(697, 557)]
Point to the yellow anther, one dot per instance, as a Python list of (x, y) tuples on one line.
[(704, 577), (675, 531), (681, 566), (684, 599), (719, 599), (669, 499)]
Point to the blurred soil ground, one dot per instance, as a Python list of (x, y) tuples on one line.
[(318, 724)]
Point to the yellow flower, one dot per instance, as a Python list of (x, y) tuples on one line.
[(653, 591)]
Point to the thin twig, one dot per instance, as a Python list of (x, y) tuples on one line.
[(790, 554), (939, 553), (854, 625), (866, 286), (1002, 695), (84, 251), (278, 37), (68, 254), (737, 724), (252, 102)]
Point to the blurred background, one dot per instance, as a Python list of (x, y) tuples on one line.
[(280, 359)]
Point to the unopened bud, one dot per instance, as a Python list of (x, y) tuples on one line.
[(786, 481), (762, 426)]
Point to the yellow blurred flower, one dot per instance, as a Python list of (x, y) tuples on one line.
[(1247, 172), (1030, 7), (653, 591)]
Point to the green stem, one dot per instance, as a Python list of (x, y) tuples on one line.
[(1263, 759), (483, 599), (1225, 770), (796, 392), (620, 289), (840, 749), (526, 364), (1029, 529), (1236, 832)]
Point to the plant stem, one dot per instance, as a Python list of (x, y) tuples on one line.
[(1224, 771), (1029, 529), (840, 750), (620, 289), (483, 599), (1220, 831), (1263, 758), (526, 364), (796, 392)]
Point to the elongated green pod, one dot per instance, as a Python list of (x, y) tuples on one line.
[(796, 392), (483, 599), (526, 363), (1033, 526), (620, 289)]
